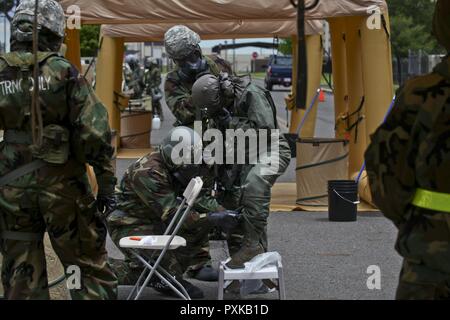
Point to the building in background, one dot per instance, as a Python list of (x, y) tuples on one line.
[(146, 49), (242, 61), (4, 33)]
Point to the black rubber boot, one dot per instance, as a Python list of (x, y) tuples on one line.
[(206, 274), (193, 291)]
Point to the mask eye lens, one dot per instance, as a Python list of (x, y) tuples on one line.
[(193, 58)]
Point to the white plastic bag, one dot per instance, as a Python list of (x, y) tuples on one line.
[(261, 261), (265, 260)]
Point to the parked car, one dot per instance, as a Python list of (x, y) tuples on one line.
[(279, 72)]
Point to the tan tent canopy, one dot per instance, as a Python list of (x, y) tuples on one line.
[(177, 11), (210, 31)]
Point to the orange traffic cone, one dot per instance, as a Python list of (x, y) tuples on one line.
[(322, 96)]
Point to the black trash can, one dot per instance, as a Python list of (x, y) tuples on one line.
[(342, 200)]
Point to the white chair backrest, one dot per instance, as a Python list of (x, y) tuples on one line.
[(193, 190)]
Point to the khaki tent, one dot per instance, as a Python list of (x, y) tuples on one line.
[(188, 11), (212, 30), (362, 67)]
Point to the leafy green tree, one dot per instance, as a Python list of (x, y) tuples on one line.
[(285, 46), (406, 35), (89, 40), (420, 11), (411, 24)]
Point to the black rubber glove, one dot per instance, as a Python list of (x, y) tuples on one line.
[(106, 204), (106, 201), (225, 220), (224, 118)]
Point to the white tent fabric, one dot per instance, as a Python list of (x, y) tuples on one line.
[(185, 11), (210, 31)]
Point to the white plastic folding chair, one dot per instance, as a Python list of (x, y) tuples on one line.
[(138, 244)]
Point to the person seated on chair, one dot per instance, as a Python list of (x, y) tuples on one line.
[(147, 198), (234, 103)]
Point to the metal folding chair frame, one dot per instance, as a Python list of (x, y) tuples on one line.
[(156, 268)]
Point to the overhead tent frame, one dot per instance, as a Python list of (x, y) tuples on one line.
[(212, 30), (347, 18)]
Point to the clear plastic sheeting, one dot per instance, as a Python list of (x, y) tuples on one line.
[(261, 261)]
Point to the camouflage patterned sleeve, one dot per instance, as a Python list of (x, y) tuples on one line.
[(390, 171), (91, 134), (154, 188), (179, 101)]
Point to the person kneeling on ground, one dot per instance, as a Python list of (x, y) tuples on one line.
[(148, 197)]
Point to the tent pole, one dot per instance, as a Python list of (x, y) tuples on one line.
[(72, 41), (295, 117), (109, 78), (315, 63), (377, 72), (355, 87), (339, 62)]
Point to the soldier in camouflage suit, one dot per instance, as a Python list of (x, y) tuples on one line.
[(55, 196), (148, 197), (408, 164), (136, 79), (182, 45), (235, 104), (152, 85)]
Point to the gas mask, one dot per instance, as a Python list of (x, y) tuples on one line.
[(187, 172), (192, 70)]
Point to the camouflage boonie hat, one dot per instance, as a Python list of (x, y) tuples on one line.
[(50, 16), (180, 42)]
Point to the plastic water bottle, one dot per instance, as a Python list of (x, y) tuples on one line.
[(156, 123)]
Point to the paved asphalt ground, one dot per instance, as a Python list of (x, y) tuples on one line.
[(322, 259)]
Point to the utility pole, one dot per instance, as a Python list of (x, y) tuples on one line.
[(4, 32), (226, 50), (234, 56)]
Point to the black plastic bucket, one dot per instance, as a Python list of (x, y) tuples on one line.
[(343, 200)]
